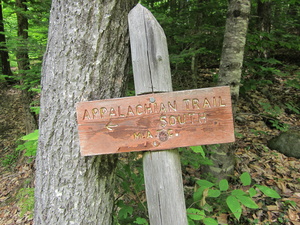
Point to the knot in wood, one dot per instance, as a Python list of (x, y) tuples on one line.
[(163, 136)]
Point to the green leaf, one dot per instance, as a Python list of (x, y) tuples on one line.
[(247, 201), (245, 179), (268, 191), (237, 192), (195, 214), (289, 202), (214, 193), (198, 149), (191, 222), (198, 194), (234, 206), (223, 185), (204, 183), (252, 192), (210, 221), (140, 220), (125, 211), (32, 136)]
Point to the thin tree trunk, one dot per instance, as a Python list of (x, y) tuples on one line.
[(231, 63), (3, 50), (264, 10), (24, 65), (86, 59)]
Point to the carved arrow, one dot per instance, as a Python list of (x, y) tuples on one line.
[(109, 125)]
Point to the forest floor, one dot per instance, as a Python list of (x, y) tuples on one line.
[(253, 130)]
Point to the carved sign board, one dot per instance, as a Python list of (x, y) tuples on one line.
[(155, 121)]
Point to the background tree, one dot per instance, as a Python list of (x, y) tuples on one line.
[(22, 57), (3, 50), (222, 156), (86, 59)]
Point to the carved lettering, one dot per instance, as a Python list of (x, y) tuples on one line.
[(185, 118), (155, 108), (139, 109), (162, 108), (149, 135), (130, 111), (214, 102), (190, 105), (112, 112), (103, 110), (170, 132), (192, 117), (187, 103), (137, 135), (181, 119), (86, 115), (206, 103), (221, 104), (148, 109), (163, 121), (95, 112), (119, 112), (172, 107), (195, 103), (202, 118), (172, 120)]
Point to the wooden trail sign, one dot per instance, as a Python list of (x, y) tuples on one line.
[(156, 121)]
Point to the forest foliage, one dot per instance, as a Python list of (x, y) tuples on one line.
[(195, 31)]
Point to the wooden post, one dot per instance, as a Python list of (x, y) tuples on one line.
[(151, 69)]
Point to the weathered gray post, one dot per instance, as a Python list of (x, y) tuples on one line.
[(151, 69)]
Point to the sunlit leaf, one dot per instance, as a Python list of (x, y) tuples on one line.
[(195, 214), (252, 192), (247, 201), (204, 183), (223, 185), (234, 206), (198, 194), (210, 221), (198, 149), (245, 179), (141, 221), (268, 191), (237, 192), (32, 136), (213, 193)]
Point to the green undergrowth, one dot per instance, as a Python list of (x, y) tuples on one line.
[(208, 199), (26, 201), (222, 198)]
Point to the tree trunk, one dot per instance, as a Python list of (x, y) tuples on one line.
[(86, 59), (264, 10), (3, 50), (22, 50), (24, 65), (231, 63)]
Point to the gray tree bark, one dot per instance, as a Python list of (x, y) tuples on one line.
[(231, 63), (86, 59)]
